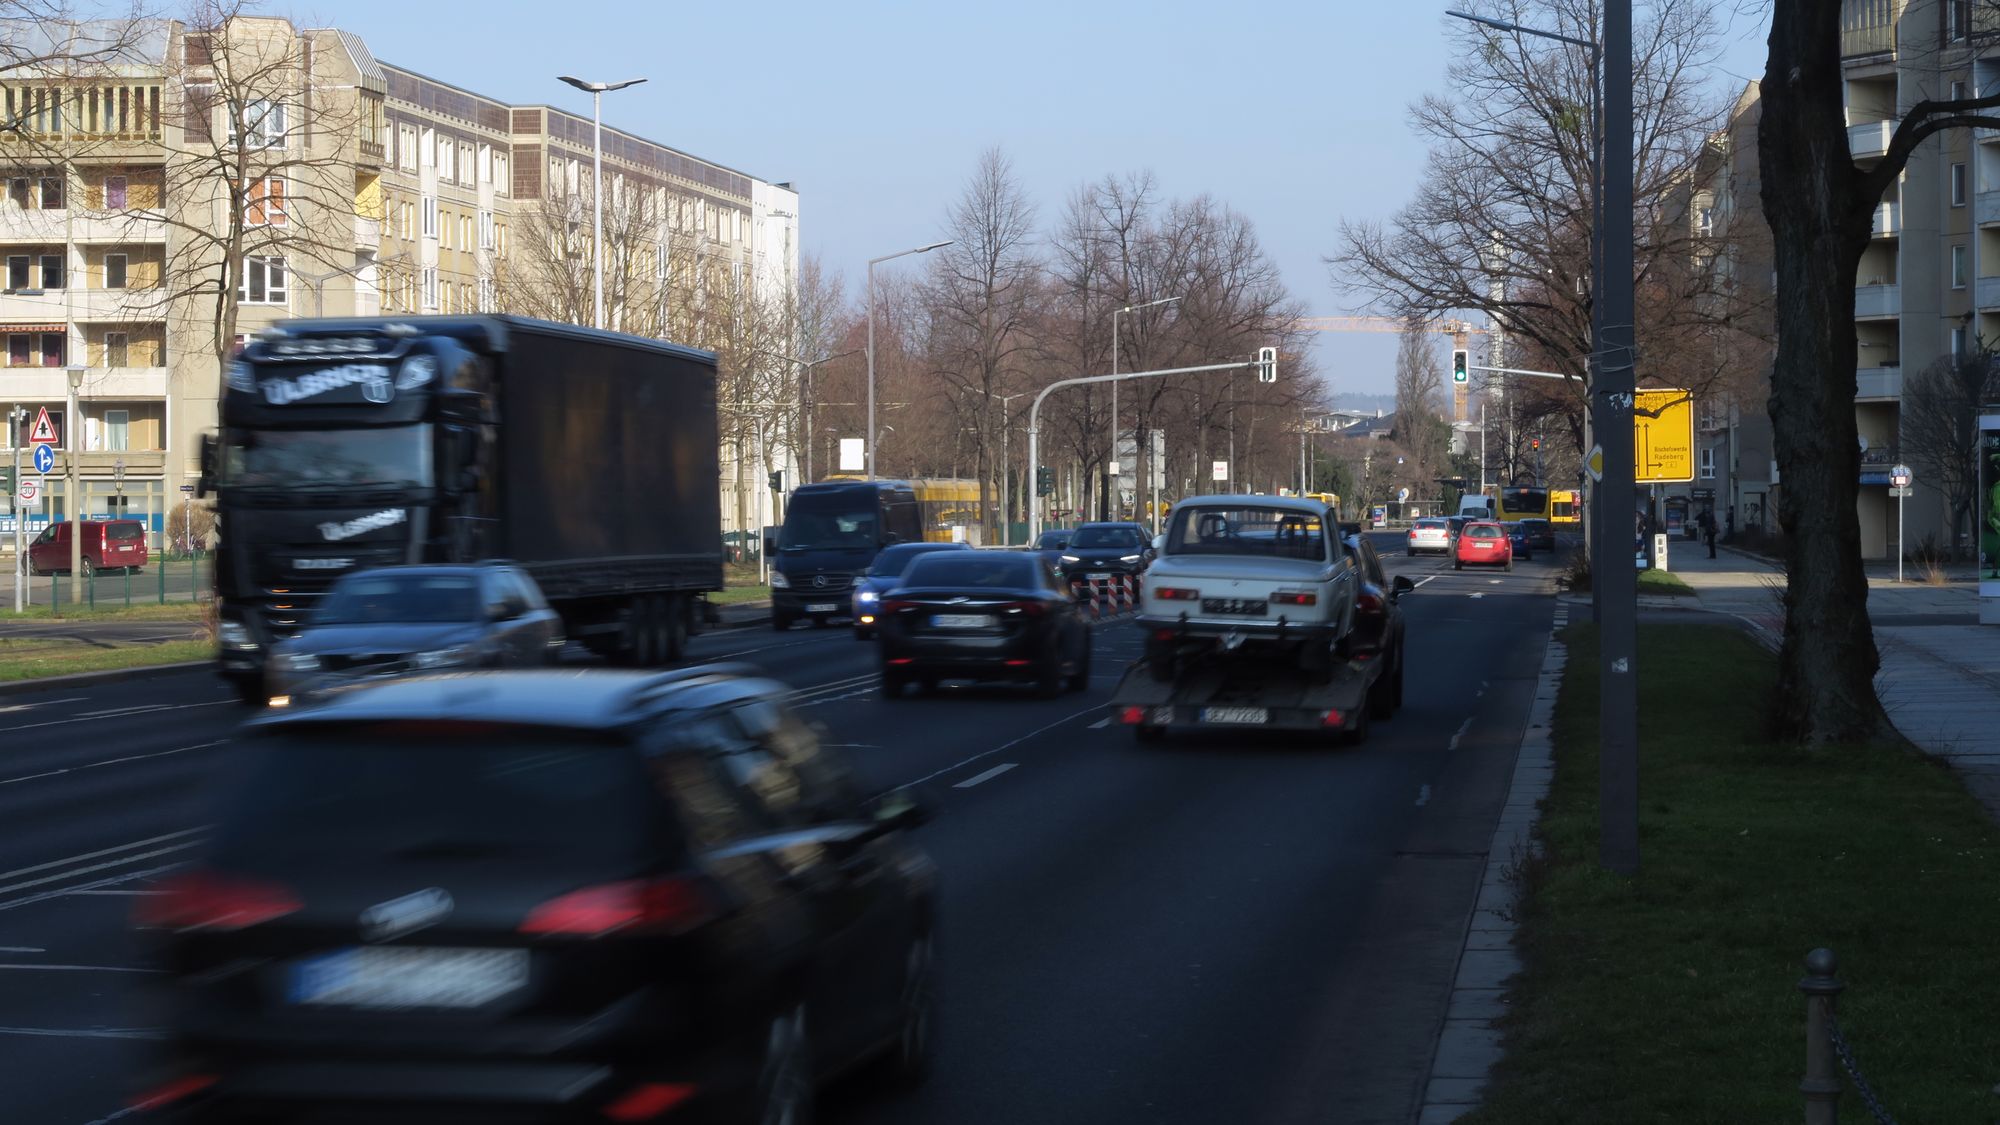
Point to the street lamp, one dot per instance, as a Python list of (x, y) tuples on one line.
[(805, 396), (318, 282), (1115, 313), (73, 484), (872, 263), (597, 91)]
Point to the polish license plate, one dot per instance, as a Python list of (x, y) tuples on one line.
[(1098, 576), (1235, 715), (959, 620), (823, 607), (396, 977)]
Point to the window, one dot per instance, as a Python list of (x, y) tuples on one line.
[(447, 167), (1958, 185), (405, 219), (430, 216), (20, 272), (1958, 91), (485, 164), (1958, 267), (117, 349), (52, 271), (444, 231), (500, 240), (19, 193), (1958, 341), (486, 230), (265, 202), (263, 124), (54, 346), (430, 287), (1960, 17), (264, 281), (501, 184), (117, 427), (465, 232), (114, 193), (406, 147), (20, 350), (486, 294), (114, 271), (465, 164), (1705, 220), (52, 193), (1708, 464)]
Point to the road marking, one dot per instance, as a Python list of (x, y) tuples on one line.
[(90, 1033), (1423, 795), (989, 775), (1101, 723), (109, 881), (160, 707), (119, 862), (1476, 594), (1424, 579), (117, 892), (110, 762), (13, 707), (102, 852), (1036, 733), (22, 949), (79, 969), (1492, 581), (1461, 733), (110, 712)]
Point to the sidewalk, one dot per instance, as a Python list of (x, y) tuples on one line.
[(1940, 675)]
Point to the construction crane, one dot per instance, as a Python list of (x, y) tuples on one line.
[(1460, 332)]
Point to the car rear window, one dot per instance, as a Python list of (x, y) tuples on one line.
[(385, 598), (1482, 531), (896, 560), (1276, 532), (420, 791), (124, 531), (954, 568), (1429, 525)]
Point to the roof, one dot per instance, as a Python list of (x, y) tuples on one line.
[(586, 699), (1298, 504), (489, 331), (374, 79)]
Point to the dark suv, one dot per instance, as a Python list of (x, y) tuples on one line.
[(541, 895)]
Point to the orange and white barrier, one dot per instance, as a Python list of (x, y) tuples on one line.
[(1109, 596)]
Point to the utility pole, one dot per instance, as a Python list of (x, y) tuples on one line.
[(73, 504), (17, 416)]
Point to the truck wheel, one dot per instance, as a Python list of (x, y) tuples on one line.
[(642, 632)]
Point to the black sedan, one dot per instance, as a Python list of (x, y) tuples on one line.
[(1541, 534), (984, 616), (1099, 552), (883, 576), (397, 619), (1378, 627), (1051, 544), (540, 896)]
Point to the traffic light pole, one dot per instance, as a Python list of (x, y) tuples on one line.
[(1266, 364)]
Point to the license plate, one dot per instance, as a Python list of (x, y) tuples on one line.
[(1482, 546), (823, 607), (1235, 715), (1240, 606), (391, 977), (1098, 576), (959, 620)]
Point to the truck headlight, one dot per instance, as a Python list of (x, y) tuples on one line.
[(232, 634), (779, 581), (1128, 558), (301, 662), (416, 371), (442, 658), (868, 596)]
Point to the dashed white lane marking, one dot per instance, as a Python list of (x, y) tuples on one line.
[(102, 852), (78, 969), (1423, 795), (133, 711), (89, 1033), (1476, 594), (110, 762), (1424, 579), (13, 707), (989, 775), (22, 949), (1461, 733), (121, 893), (1036, 733), (119, 862)]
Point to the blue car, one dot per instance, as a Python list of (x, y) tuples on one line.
[(1524, 544), (883, 576)]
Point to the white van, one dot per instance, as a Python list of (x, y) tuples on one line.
[(1479, 507)]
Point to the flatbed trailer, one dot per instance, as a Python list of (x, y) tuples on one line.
[(1224, 692)]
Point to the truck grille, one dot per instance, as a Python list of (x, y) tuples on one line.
[(1240, 607), (825, 584)]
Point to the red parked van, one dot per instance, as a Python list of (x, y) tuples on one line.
[(107, 545)]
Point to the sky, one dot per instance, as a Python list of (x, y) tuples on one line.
[(1292, 113)]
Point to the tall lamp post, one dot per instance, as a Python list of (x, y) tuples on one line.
[(73, 484), (1006, 491), (1613, 348), (872, 263), (1109, 486), (597, 91)]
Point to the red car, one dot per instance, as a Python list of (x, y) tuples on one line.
[(1483, 543), (107, 545)]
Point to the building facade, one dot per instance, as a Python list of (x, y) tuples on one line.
[(152, 167)]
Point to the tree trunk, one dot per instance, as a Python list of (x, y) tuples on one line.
[(1819, 228)]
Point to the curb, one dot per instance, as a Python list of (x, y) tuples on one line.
[(1469, 1043), (108, 676)]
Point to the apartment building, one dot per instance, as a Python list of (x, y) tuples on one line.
[(358, 187)]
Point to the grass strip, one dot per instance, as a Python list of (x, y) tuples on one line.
[(35, 658), (1664, 582), (1673, 995)]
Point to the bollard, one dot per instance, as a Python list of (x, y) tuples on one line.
[(89, 581), (1822, 1084), (128, 586), (161, 570)]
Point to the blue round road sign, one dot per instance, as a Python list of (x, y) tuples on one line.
[(45, 459)]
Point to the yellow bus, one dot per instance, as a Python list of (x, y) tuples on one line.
[(1562, 507), (943, 505)]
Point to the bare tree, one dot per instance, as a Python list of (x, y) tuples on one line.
[(1420, 425), (1941, 408)]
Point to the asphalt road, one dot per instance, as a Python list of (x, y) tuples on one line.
[(1230, 929)]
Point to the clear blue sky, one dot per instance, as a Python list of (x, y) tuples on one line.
[(1293, 113)]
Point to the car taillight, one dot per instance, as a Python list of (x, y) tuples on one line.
[(649, 1100), (1132, 716), (659, 905), (209, 900), (1294, 597), (167, 1093), (1176, 594), (1369, 604), (1331, 718)]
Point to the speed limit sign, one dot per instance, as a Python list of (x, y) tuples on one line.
[(30, 490)]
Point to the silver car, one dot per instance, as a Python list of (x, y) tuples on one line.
[(393, 620), (1428, 536)]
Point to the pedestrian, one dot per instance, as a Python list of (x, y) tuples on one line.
[(1708, 530)]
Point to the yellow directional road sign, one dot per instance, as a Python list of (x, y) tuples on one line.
[(1663, 437)]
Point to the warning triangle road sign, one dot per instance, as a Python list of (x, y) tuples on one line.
[(44, 431)]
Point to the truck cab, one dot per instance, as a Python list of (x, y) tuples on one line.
[(832, 532)]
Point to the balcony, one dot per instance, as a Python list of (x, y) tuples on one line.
[(1869, 139), (367, 233), (1874, 302), (1889, 218), (51, 384), (370, 153), (54, 227), (1867, 39), (1986, 208), (1878, 383), (1986, 292), (87, 305)]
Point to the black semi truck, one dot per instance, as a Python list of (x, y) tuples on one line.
[(589, 458)]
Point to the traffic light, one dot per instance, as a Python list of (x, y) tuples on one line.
[(1459, 361), (1045, 481), (1267, 365), (777, 480), (1535, 444)]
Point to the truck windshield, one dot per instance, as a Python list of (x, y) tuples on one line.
[(842, 519), (393, 455)]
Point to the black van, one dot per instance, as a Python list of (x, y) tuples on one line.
[(830, 537)]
